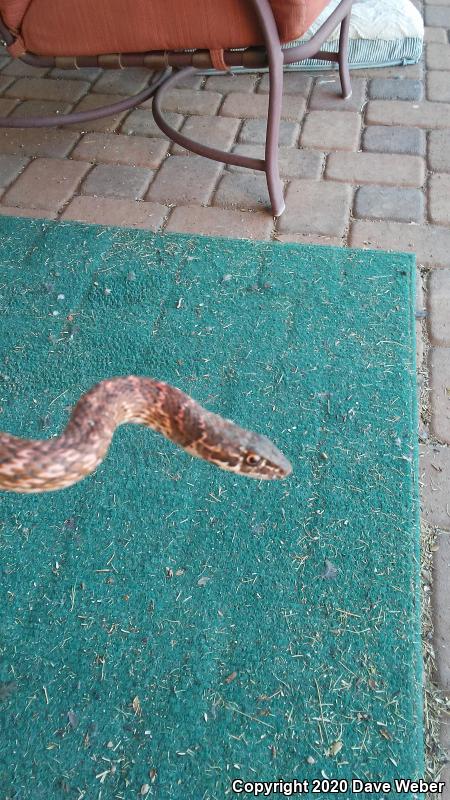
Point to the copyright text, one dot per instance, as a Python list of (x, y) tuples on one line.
[(333, 786)]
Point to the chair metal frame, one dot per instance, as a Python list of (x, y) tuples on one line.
[(170, 67)]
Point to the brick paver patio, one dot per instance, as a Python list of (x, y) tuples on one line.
[(373, 171)]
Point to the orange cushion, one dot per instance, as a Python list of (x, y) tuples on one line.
[(13, 12), (83, 27)]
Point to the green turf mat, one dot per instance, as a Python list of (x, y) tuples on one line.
[(166, 627)]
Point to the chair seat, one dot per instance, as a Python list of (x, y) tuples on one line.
[(83, 27)]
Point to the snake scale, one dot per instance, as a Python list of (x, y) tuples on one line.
[(32, 465)]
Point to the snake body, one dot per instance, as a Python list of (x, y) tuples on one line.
[(31, 465)]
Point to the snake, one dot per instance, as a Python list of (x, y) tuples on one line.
[(44, 465)]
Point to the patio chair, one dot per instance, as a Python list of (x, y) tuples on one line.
[(174, 38)]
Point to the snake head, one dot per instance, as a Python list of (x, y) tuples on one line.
[(238, 450), (221, 442), (261, 459)]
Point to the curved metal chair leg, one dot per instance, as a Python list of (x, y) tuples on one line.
[(274, 182), (276, 61), (269, 164), (344, 72), (186, 141)]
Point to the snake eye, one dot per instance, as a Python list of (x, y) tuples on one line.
[(252, 459)]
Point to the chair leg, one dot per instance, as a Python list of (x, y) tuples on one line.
[(274, 182), (275, 58), (344, 72), (185, 141)]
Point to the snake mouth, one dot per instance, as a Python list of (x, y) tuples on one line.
[(279, 473), (247, 454), (265, 470), (264, 460), (270, 471)]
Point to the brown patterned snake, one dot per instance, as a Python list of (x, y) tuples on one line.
[(28, 465)]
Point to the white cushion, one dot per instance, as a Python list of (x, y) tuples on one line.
[(382, 33), (376, 19)]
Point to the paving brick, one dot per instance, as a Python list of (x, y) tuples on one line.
[(445, 718), (6, 106), (380, 168), (408, 71), (394, 139), (434, 470), (47, 89), (293, 83), (253, 131), (44, 142), (309, 238), (10, 168), (231, 83), (220, 222), (436, 35), (438, 56), (190, 101), (122, 81), (316, 207), (441, 605), (5, 82), (89, 74), (141, 123), (395, 89), (183, 180), (331, 130), (113, 148), (114, 180), (47, 183), (399, 112), (106, 125), (116, 211), (214, 131), (439, 307), (439, 151), (41, 108), (19, 69), (243, 191), (194, 81), (327, 96), (430, 243), (293, 163), (440, 393), (438, 86), (439, 199), (252, 106), (445, 727), (385, 202), (438, 16), (445, 776), (35, 213)]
